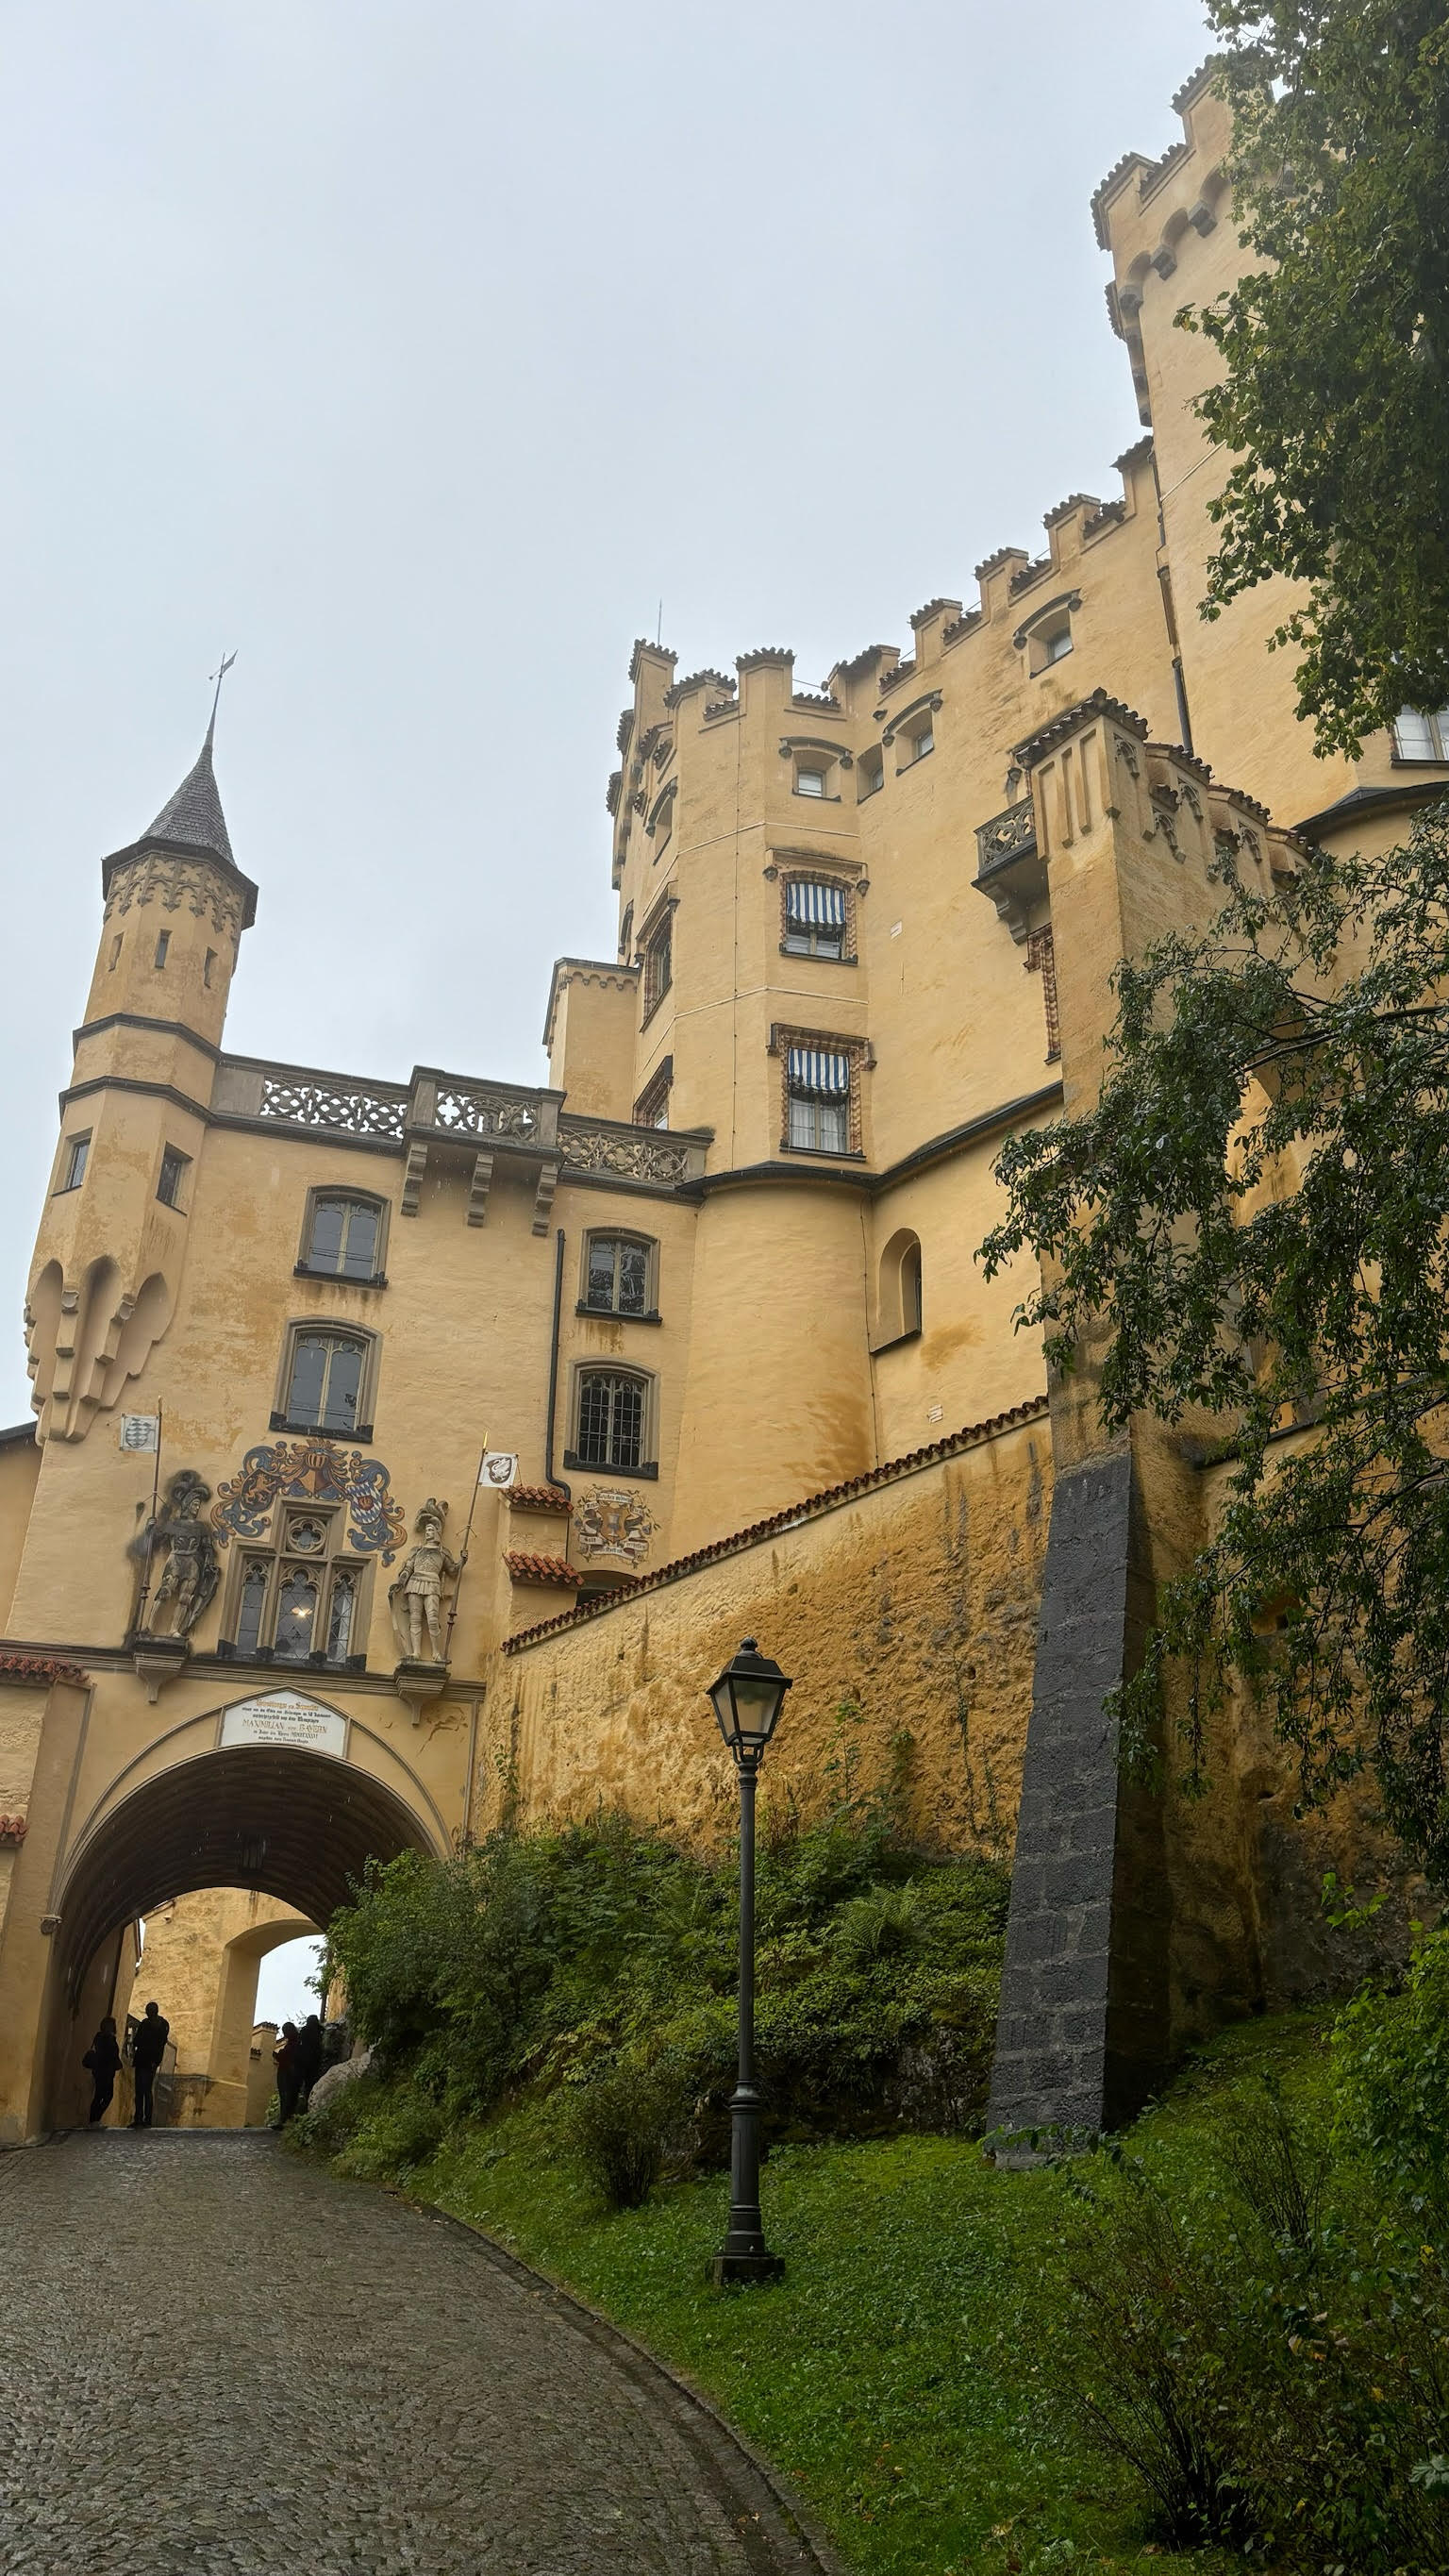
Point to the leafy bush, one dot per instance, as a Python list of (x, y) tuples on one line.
[(546, 1957), (620, 2125), (1391, 2074)]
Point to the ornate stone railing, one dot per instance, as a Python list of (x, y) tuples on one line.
[(438, 1110), (1007, 836), (630, 1153)]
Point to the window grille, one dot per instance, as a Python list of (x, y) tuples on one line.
[(611, 1419)]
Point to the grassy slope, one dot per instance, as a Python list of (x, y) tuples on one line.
[(886, 2374)]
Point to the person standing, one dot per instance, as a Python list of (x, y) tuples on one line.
[(309, 2055), (148, 2047), (102, 2061), (285, 2058)]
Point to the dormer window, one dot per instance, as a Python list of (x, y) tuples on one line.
[(1046, 636)]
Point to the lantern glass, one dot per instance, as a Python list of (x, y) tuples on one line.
[(747, 1699)]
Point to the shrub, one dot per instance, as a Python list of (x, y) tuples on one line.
[(620, 2126), (1391, 2081), (1278, 2161)]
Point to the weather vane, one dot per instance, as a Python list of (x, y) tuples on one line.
[(227, 660)]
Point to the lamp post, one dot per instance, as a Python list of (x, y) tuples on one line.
[(747, 1700)]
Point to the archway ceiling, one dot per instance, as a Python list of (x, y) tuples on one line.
[(295, 1825)]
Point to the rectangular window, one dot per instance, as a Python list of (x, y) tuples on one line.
[(1422, 737), (658, 967), (162, 944), (819, 1080), (652, 1107), (809, 782), (814, 919), (618, 1276), (611, 1419), (173, 1168), (920, 742), (73, 1169)]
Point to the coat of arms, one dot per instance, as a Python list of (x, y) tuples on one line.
[(609, 1522)]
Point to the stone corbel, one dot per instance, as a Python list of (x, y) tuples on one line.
[(158, 1660), (543, 1196), (417, 1684), (479, 1188), (412, 1188)]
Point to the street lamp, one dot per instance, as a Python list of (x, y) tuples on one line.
[(747, 1701)]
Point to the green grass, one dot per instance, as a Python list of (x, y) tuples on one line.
[(889, 2375)]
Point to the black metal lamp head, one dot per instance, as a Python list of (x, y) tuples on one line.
[(747, 1701)]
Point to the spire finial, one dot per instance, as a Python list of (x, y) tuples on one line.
[(227, 660)]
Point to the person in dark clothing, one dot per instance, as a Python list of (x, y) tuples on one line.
[(102, 2061), (309, 2055), (285, 2058), (148, 2047)]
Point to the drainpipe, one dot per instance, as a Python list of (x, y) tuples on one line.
[(558, 1272)]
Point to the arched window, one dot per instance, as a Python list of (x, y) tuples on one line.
[(344, 1236), (611, 1421), (900, 1311), (618, 1275), (300, 1601), (326, 1382)]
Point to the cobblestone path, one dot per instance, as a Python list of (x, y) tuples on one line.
[(215, 2357)]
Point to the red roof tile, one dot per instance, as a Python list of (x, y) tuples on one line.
[(537, 1498), (542, 1569), (41, 1668)]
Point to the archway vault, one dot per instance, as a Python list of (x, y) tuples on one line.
[(299, 1826)]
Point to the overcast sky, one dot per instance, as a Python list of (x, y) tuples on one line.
[(416, 350)]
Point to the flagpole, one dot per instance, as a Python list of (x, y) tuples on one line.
[(151, 1532), (463, 1552)]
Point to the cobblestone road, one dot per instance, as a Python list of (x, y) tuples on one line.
[(216, 2357)]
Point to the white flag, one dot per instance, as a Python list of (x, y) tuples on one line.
[(140, 1431), (500, 1467)]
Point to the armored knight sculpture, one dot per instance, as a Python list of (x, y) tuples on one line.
[(417, 1595), (190, 1575)]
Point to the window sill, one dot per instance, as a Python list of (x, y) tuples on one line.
[(806, 798), (1415, 760), (338, 1278), (360, 1436), (904, 767), (593, 1467), (824, 1153), (896, 1339), (812, 957), (611, 1315), (67, 1189), (271, 1661)]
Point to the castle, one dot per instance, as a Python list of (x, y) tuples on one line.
[(712, 1288)]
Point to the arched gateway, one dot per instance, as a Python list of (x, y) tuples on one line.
[(278, 1791)]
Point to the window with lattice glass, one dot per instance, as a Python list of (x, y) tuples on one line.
[(1422, 737), (658, 967), (611, 1419), (618, 1275), (325, 1380), (344, 1236), (300, 1603)]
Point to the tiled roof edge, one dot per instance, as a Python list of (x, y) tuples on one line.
[(814, 1507), (41, 1668)]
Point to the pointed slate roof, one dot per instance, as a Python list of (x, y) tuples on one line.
[(194, 814)]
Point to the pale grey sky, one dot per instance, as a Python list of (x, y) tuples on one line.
[(416, 349)]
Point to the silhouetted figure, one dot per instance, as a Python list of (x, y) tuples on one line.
[(148, 2047), (102, 2061), (309, 2055), (286, 2057)]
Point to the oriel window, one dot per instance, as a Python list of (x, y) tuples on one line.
[(344, 1237)]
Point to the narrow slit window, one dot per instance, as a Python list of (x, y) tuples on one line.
[(78, 1154), (162, 944), (173, 1171), (116, 944), (252, 1607), (206, 966)]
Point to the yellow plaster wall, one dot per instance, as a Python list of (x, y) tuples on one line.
[(914, 1604), (19, 1475)]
